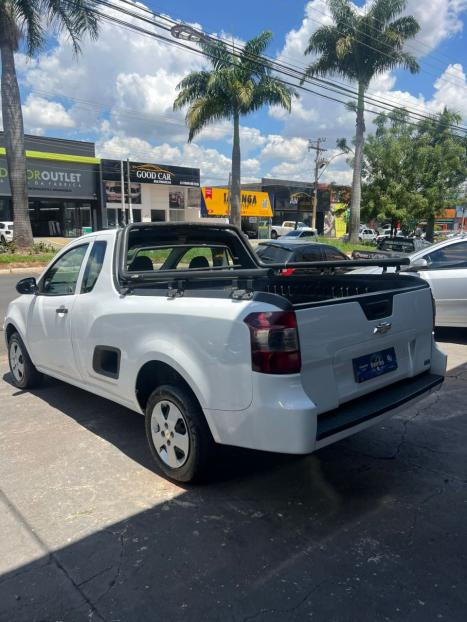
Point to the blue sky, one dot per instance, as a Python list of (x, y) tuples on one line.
[(119, 93)]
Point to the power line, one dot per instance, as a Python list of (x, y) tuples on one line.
[(320, 83)]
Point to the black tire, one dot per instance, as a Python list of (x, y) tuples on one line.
[(2, 240), (24, 374), (273, 235), (194, 461)]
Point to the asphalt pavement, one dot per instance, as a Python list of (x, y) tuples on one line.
[(372, 528)]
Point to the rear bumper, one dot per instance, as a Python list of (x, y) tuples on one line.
[(283, 419), (373, 406)]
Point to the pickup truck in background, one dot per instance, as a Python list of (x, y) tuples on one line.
[(389, 248), (287, 225), (183, 323)]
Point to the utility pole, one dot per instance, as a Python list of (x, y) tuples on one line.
[(130, 205), (319, 162), (122, 194)]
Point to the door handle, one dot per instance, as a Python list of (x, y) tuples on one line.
[(61, 310)]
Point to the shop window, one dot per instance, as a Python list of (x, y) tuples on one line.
[(194, 197), (158, 215), (177, 199), (5, 209), (177, 215)]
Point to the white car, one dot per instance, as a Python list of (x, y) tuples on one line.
[(181, 322), (367, 235), (304, 233), (284, 228), (6, 232), (444, 267)]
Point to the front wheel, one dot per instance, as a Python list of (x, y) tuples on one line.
[(177, 433), (25, 375)]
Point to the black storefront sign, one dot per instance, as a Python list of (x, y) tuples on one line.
[(146, 173), (54, 179)]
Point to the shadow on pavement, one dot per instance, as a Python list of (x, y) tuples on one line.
[(451, 335), (372, 528)]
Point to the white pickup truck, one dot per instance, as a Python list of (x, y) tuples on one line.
[(183, 323), (284, 228)]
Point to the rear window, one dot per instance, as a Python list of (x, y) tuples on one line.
[(273, 254), (180, 257), (398, 246), (155, 248)]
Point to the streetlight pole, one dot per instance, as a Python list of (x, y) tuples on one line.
[(122, 191), (130, 205), (316, 146)]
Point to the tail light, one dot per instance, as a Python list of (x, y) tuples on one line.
[(275, 347), (433, 305), (287, 271)]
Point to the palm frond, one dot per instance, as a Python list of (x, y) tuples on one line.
[(24, 19), (76, 18), (257, 45), (271, 92), (382, 12), (205, 111), (218, 54)]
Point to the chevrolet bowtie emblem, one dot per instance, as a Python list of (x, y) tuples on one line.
[(382, 328)]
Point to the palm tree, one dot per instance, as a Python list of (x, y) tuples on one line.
[(239, 83), (27, 20), (359, 46)]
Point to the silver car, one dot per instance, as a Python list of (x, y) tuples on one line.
[(444, 266)]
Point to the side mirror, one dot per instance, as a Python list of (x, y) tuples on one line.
[(27, 286), (421, 262)]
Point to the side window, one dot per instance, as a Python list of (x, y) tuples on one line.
[(312, 254), (332, 254), (454, 255), (62, 277), (93, 266)]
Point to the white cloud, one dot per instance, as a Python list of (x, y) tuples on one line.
[(40, 114), (214, 166), (280, 148)]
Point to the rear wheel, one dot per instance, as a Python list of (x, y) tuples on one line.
[(177, 433), (25, 375), (273, 235)]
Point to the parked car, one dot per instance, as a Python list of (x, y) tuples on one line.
[(6, 232), (387, 235), (285, 251), (302, 233), (392, 247), (183, 323), (367, 235), (444, 267), (287, 225)]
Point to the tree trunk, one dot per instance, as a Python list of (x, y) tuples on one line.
[(235, 218), (14, 143), (357, 167), (430, 228)]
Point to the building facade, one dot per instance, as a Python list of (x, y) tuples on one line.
[(63, 184), (158, 192)]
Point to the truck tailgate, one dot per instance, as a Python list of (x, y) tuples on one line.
[(354, 346)]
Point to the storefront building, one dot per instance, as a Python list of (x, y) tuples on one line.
[(158, 192), (255, 209), (293, 200), (63, 186)]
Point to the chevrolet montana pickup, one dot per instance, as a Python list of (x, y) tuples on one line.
[(183, 323)]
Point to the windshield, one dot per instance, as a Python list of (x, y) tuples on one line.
[(293, 234)]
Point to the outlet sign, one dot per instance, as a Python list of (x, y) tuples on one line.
[(51, 179)]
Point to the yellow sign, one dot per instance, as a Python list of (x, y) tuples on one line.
[(253, 203)]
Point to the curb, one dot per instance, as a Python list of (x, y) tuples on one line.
[(19, 270)]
